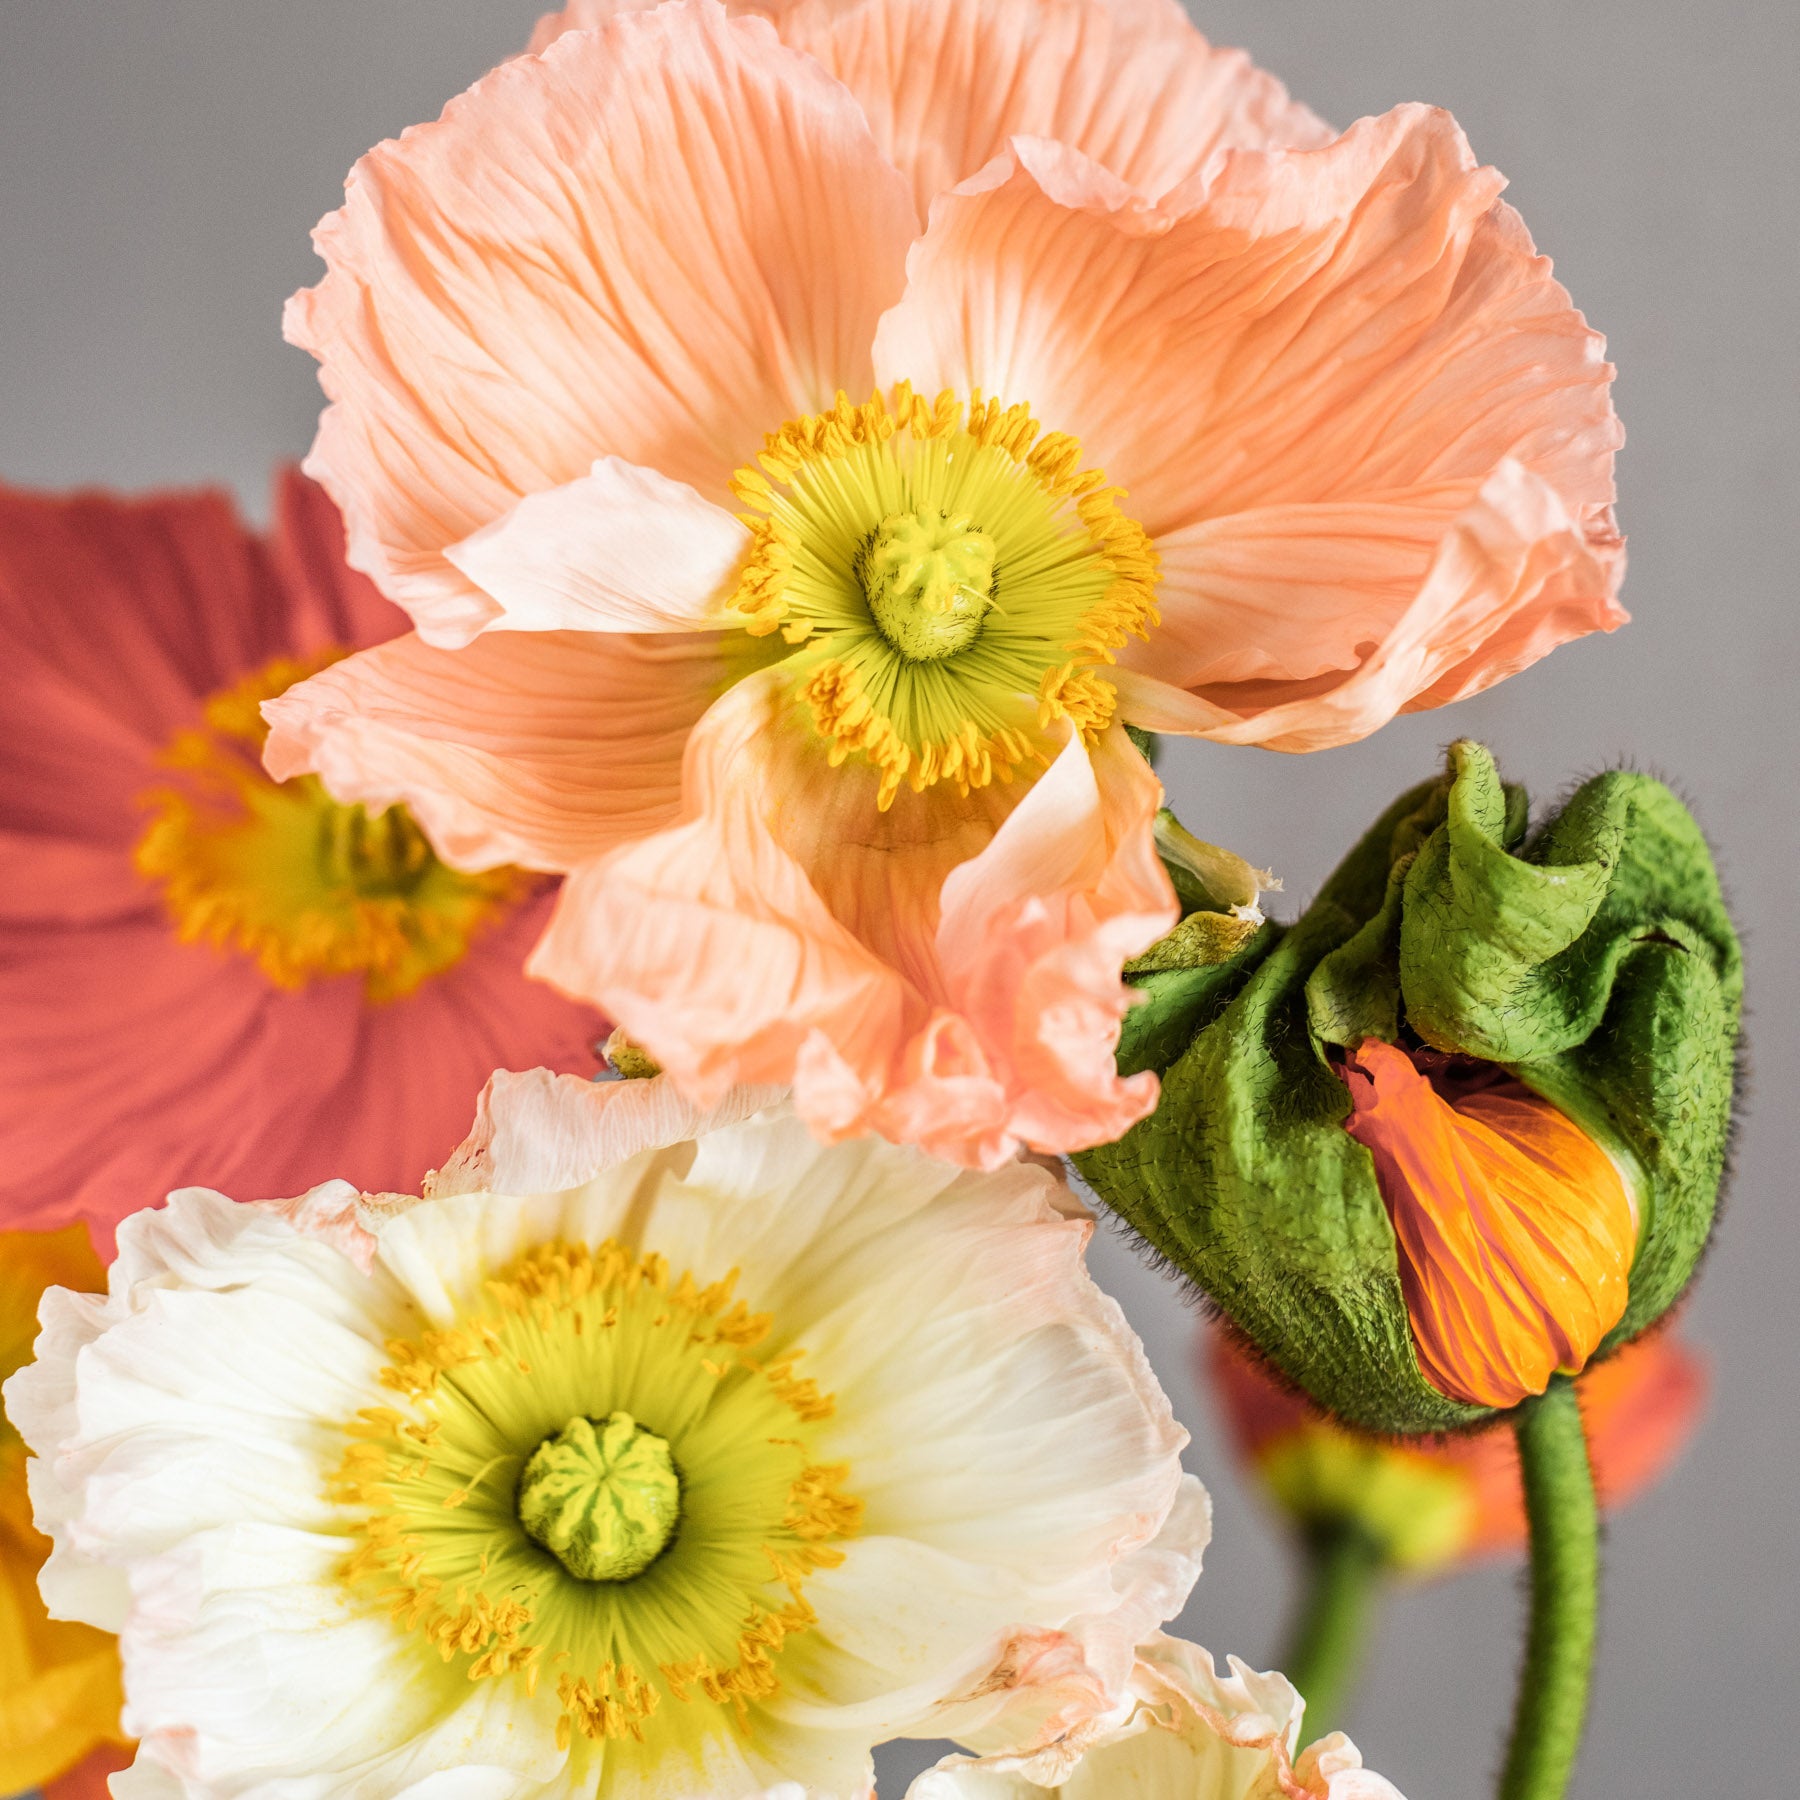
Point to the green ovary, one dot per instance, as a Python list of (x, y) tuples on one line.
[(602, 1499), (929, 580)]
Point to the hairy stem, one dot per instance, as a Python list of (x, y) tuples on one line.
[(1565, 1585)]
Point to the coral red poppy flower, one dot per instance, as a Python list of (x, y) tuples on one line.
[(205, 977)]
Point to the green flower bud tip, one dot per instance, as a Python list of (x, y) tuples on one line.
[(1548, 1007)]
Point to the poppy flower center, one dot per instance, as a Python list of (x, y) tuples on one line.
[(951, 581), (590, 1475), (601, 1498), (283, 874), (929, 583)]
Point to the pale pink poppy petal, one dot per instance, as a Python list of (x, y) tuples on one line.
[(622, 549), (1034, 931), (1513, 577), (946, 84), (657, 241), (1304, 373), (536, 748), (583, 15), (1288, 592), (537, 1132), (945, 974), (713, 948)]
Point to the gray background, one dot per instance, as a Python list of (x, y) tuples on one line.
[(162, 160)]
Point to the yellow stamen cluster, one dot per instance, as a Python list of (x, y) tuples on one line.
[(951, 578), (570, 1332), (281, 873)]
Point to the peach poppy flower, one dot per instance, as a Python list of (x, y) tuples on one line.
[(1438, 1502), (204, 976), (802, 447)]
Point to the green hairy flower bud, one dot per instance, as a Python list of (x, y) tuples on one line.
[(1464, 1123)]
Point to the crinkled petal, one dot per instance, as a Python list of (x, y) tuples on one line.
[(946, 974), (1034, 931), (237, 1084), (945, 84), (714, 949), (176, 1418), (656, 242), (1513, 576), (536, 1131), (535, 748), (1318, 375), (1186, 1732), (1515, 1230)]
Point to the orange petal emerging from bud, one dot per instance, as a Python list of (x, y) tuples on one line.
[(1516, 1230), (1640, 1408)]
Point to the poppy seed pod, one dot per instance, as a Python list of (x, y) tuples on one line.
[(1463, 1124)]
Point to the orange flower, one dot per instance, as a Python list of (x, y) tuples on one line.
[(59, 1682), (1516, 1230), (805, 443), (1434, 1502)]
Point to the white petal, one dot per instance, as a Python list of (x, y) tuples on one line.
[(622, 549)]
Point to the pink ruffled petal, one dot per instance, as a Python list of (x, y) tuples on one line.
[(946, 84), (657, 241), (709, 943), (946, 974), (206, 1075), (1310, 373), (622, 549), (536, 748), (116, 617), (1513, 577), (1035, 929)]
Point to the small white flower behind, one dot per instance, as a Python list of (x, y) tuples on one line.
[(1182, 1732), (697, 1475)]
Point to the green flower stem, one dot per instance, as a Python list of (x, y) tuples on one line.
[(1565, 1588), (1345, 1572)]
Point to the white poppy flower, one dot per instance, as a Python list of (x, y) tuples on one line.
[(1182, 1732), (650, 1454)]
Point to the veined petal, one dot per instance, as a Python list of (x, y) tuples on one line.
[(945, 972), (945, 85), (621, 549), (653, 242), (716, 951), (535, 1131), (1516, 1230), (1035, 929), (1367, 430), (1510, 577), (536, 748)]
